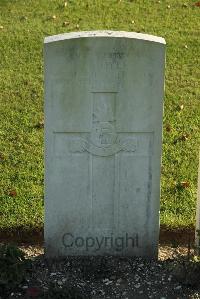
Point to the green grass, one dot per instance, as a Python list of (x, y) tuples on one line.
[(25, 24)]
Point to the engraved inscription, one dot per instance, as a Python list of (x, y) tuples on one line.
[(81, 145), (104, 140), (103, 134)]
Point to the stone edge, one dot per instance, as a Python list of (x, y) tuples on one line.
[(104, 33)]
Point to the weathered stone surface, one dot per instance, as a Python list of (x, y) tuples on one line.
[(103, 134)]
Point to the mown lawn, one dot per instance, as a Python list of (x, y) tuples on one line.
[(23, 26)]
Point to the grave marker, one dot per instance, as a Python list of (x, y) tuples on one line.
[(197, 232), (103, 135)]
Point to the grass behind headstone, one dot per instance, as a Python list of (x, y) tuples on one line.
[(23, 26)]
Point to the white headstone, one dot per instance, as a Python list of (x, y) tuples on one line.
[(103, 135), (197, 232)]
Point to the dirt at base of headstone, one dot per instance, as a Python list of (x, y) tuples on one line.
[(105, 277)]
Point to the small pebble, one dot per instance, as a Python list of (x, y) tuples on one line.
[(81, 284), (113, 277), (108, 282), (149, 283), (119, 280), (105, 280), (137, 286), (178, 288)]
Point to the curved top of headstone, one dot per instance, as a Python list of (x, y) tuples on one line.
[(104, 33)]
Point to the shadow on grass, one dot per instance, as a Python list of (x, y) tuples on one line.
[(32, 235), (177, 236), (20, 235)]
